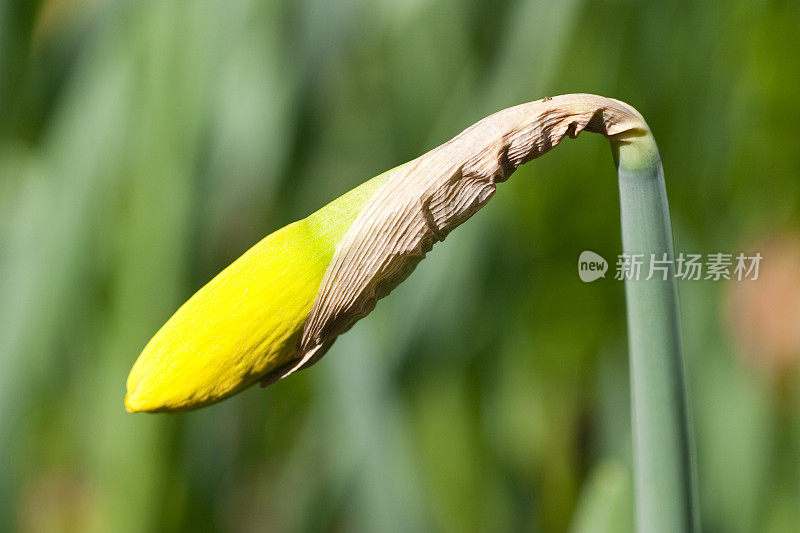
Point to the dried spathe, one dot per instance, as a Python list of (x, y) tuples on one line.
[(280, 307)]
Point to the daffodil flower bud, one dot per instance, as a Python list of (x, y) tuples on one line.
[(279, 307)]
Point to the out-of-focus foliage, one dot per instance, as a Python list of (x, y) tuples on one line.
[(145, 145)]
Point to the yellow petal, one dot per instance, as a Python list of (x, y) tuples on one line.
[(247, 321)]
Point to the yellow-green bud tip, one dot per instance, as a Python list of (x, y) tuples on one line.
[(247, 321)]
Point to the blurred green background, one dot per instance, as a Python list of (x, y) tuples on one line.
[(145, 145)]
